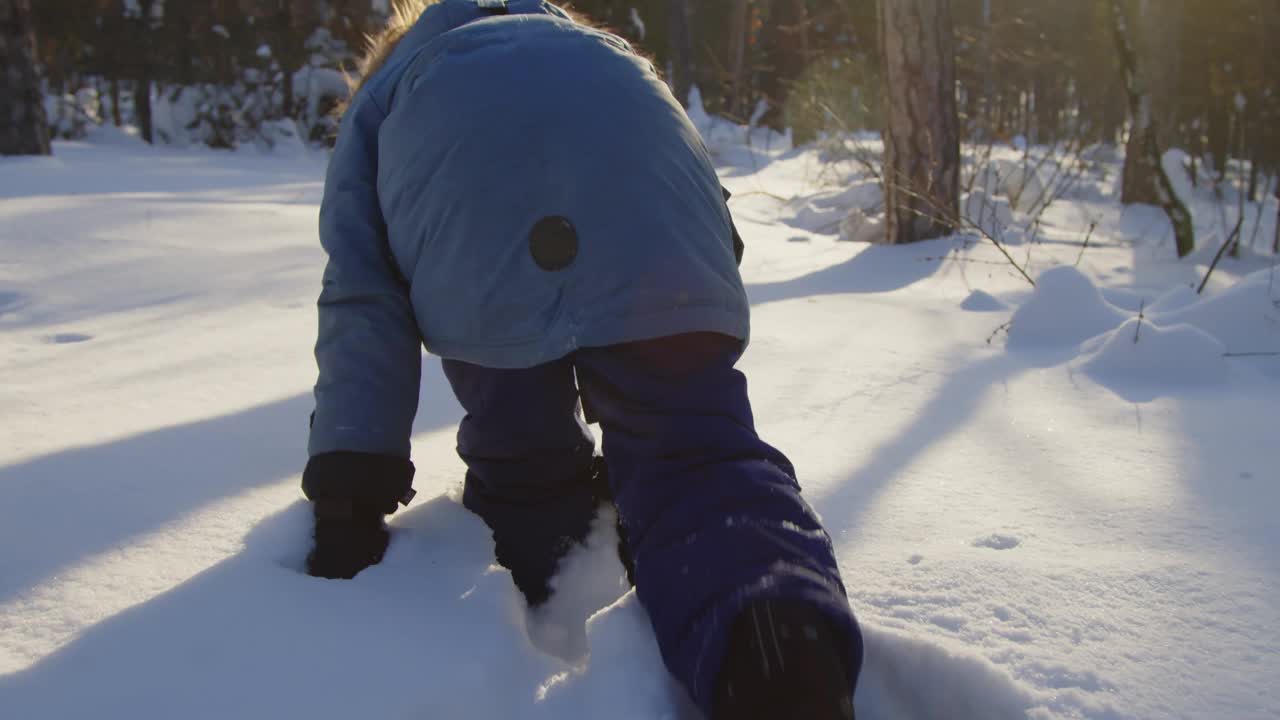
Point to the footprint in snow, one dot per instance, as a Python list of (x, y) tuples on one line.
[(996, 541), (10, 301), (68, 338)]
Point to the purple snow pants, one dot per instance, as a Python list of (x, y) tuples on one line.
[(713, 514)]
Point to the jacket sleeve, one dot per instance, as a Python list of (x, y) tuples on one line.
[(369, 348)]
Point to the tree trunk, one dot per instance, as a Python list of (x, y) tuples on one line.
[(1270, 28), (786, 49), (24, 130), (290, 51), (1138, 183), (142, 105), (1219, 132), (922, 140), (1254, 175), (1160, 59), (681, 50), (142, 86), (988, 78), (1197, 150), (1144, 160), (115, 102), (736, 97)]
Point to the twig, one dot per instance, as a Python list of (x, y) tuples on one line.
[(860, 153), (1087, 237), (1141, 316), (1031, 242), (961, 221), (1234, 238), (994, 333), (973, 261), (1251, 354), (980, 164), (766, 193)]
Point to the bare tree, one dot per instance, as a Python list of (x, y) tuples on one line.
[(1162, 27), (23, 127), (922, 141), (144, 24), (681, 49), (1143, 164), (1152, 40), (786, 50), (737, 57), (1270, 28)]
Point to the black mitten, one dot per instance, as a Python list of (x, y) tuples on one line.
[(349, 537), (352, 493)]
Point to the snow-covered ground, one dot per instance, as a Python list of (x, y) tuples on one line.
[(1074, 516)]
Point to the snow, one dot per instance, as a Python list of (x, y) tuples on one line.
[(1145, 355), (1245, 316), (1019, 180), (1061, 524), (1065, 309), (991, 215), (979, 301)]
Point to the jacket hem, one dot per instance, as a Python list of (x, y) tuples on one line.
[(567, 336)]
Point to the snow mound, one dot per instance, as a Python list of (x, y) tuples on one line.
[(908, 679), (1245, 317), (1020, 183), (1180, 339), (1065, 309), (857, 226), (625, 678), (829, 210), (1176, 299), (1153, 356), (979, 301), (856, 212)]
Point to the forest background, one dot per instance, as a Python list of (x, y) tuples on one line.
[(1067, 78)]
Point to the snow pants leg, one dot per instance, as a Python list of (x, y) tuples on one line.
[(713, 514), (528, 462)]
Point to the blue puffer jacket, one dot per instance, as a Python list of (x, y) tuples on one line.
[(505, 190)]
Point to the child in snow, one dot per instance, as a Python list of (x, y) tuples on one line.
[(521, 194)]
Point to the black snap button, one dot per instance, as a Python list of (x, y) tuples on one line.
[(553, 243)]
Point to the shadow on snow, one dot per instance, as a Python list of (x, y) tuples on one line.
[(83, 501), (877, 269)]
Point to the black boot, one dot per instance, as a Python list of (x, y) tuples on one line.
[(782, 662)]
